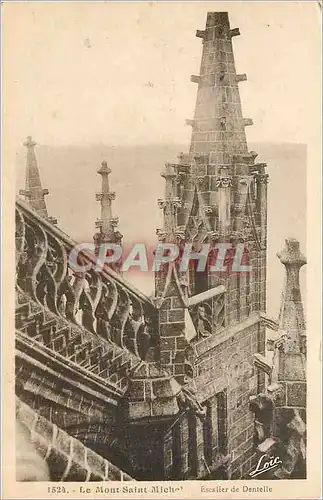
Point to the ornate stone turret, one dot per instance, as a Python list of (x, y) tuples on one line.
[(288, 380), (219, 192), (171, 232), (106, 223), (34, 192), (281, 410)]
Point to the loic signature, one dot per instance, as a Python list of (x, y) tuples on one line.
[(264, 465)]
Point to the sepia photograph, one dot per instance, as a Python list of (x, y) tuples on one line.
[(158, 160)]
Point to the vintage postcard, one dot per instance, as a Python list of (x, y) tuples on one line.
[(161, 255)]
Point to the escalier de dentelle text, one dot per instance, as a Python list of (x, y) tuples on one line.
[(158, 489)]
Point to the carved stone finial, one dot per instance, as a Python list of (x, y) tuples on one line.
[(29, 143), (104, 170), (291, 254), (161, 234), (107, 223)]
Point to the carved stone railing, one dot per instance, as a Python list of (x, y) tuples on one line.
[(207, 311), (101, 302)]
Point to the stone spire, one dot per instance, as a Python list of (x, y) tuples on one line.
[(220, 165), (289, 347), (33, 192), (289, 356), (218, 126), (106, 223), (217, 193), (291, 318), (280, 411)]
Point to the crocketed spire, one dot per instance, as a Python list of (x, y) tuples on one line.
[(34, 192), (218, 126)]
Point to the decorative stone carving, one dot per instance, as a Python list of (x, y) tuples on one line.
[(234, 32), (180, 232), (169, 203), (213, 235), (223, 182), (247, 122), (238, 235), (209, 209), (246, 158), (208, 315), (187, 400), (180, 178), (262, 178), (200, 34), (238, 207), (109, 196), (190, 122), (161, 233), (43, 273), (114, 221), (241, 78)]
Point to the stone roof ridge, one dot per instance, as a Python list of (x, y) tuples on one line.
[(55, 446)]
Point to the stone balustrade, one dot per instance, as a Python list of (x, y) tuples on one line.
[(101, 302)]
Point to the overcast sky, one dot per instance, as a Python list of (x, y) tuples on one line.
[(120, 73)]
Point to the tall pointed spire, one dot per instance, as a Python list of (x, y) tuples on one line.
[(280, 409), (219, 173), (291, 317), (289, 360), (33, 192), (222, 191), (106, 223), (218, 127)]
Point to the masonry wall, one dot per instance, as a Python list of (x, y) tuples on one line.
[(81, 413), (224, 380)]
